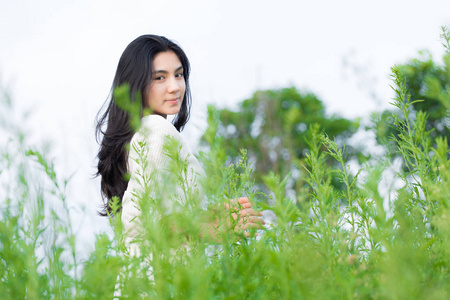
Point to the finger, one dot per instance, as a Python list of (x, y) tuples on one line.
[(249, 218), (250, 226), (253, 220), (246, 205), (249, 212), (256, 220), (243, 200), (238, 203)]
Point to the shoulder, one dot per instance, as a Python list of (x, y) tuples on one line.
[(154, 134), (156, 125), (149, 141)]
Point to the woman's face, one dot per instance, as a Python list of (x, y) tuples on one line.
[(167, 87)]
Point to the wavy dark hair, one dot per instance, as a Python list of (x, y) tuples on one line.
[(113, 125)]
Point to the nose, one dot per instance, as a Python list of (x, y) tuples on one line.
[(173, 85)]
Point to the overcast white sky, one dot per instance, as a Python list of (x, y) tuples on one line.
[(59, 58)]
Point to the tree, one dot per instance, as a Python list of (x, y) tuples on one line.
[(428, 82), (272, 127)]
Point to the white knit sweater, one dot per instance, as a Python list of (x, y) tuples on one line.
[(150, 139)]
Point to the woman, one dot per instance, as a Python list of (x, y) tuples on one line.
[(157, 73)]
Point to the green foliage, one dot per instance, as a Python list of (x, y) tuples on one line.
[(357, 242), (429, 82), (272, 127)]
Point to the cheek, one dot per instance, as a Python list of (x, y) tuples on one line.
[(151, 99), (183, 86), (154, 93)]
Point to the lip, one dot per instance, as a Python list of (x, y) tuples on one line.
[(173, 100)]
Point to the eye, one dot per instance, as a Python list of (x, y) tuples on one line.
[(179, 75), (159, 78)]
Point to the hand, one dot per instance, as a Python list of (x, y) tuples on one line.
[(246, 217)]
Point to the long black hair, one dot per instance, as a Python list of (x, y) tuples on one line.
[(134, 69)]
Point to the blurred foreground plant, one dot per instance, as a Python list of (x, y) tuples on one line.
[(376, 246)]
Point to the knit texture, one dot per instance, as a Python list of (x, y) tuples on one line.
[(148, 158)]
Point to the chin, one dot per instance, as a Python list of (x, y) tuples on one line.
[(173, 112)]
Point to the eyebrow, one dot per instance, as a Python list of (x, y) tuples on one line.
[(166, 72)]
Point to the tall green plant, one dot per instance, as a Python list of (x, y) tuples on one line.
[(359, 242)]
